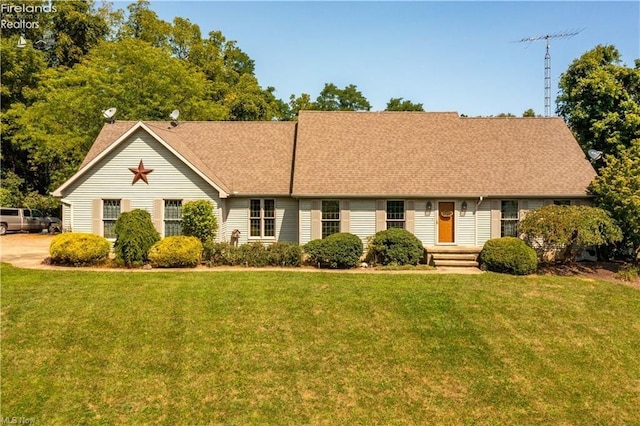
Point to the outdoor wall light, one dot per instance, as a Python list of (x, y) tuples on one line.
[(428, 209), (463, 208)]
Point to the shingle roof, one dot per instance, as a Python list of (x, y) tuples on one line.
[(436, 154), (243, 157), (389, 154)]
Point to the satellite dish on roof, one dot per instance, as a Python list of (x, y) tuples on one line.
[(174, 117), (109, 114), (594, 154)]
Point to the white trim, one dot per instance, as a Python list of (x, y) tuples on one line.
[(117, 142), (516, 220), (263, 237), (404, 213), (339, 220)]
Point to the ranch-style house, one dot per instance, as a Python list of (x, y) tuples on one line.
[(450, 180)]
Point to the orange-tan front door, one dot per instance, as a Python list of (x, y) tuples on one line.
[(446, 216)]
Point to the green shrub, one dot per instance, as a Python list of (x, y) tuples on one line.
[(176, 252), (199, 220), (284, 254), (78, 249), (342, 250), (510, 255), (220, 254), (313, 249), (135, 235), (395, 246), (253, 254)]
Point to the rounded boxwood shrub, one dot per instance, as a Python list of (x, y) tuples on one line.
[(135, 235), (176, 252), (510, 255), (341, 250), (395, 246), (78, 249)]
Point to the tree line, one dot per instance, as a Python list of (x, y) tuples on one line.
[(89, 57)]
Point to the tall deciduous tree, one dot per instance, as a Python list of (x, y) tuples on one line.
[(332, 98), (398, 104), (144, 24), (297, 104), (143, 82), (600, 100), (617, 189), (76, 27)]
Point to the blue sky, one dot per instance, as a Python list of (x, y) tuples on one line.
[(450, 56)]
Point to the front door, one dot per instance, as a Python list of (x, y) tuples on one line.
[(446, 215)]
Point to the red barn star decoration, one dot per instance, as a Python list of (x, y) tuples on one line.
[(140, 173)]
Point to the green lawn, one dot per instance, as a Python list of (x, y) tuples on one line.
[(317, 348)]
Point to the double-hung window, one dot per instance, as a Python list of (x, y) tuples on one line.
[(110, 212), (262, 218), (395, 214), (172, 217), (330, 217), (509, 218)]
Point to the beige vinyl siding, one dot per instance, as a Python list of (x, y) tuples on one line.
[(494, 215), (363, 218), (425, 225), (237, 218), (465, 226), (534, 204), (110, 178), (286, 220), (483, 222), (305, 221), (66, 217)]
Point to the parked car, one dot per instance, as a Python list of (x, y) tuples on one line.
[(24, 219)]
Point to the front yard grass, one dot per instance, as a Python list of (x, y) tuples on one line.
[(317, 348)]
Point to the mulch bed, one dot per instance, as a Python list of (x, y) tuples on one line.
[(595, 270)]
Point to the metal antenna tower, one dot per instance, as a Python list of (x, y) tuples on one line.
[(547, 63)]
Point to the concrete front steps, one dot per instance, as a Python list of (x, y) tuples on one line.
[(453, 256)]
